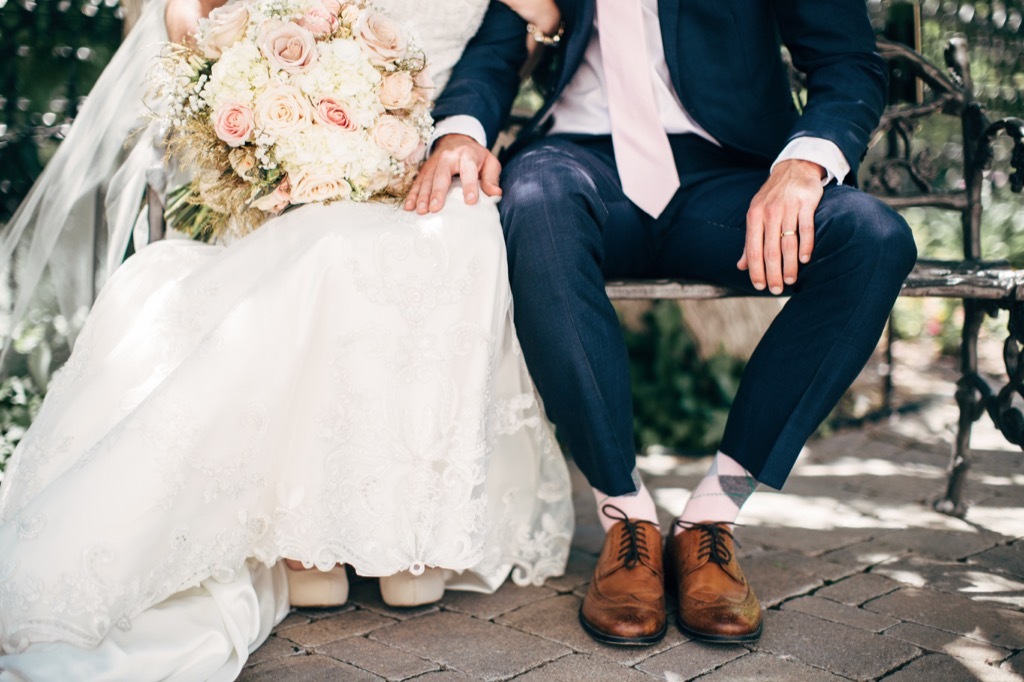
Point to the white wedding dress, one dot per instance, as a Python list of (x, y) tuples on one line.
[(343, 385)]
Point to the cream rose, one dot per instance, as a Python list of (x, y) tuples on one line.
[(424, 85), (399, 185), (395, 136), (312, 186), (330, 112), (350, 14), (282, 110), (233, 123), (417, 155), (381, 37), (378, 182), (276, 201), (288, 46), (396, 92), (225, 26), (319, 21)]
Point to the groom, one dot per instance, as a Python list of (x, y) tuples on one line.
[(669, 145)]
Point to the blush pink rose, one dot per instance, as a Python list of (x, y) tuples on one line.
[(330, 112), (396, 91), (395, 136), (233, 123), (315, 185), (319, 21), (288, 46), (332, 6), (225, 26), (382, 38), (276, 201)]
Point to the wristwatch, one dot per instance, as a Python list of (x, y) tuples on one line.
[(544, 39)]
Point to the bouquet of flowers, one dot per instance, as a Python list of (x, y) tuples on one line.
[(288, 102)]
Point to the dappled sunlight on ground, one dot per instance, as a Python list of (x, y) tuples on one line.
[(978, 658), (1004, 520), (912, 515), (801, 511), (866, 466), (1007, 480)]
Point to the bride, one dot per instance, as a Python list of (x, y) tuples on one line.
[(342, 386)]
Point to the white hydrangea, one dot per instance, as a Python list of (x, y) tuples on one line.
[(237, 76)]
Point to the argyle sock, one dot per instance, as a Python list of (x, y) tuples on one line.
[(720, 494), (638, 506)]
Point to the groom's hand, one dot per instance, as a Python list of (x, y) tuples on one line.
[(780, 224), (454, 155)]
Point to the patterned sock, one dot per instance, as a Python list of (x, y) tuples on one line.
[(637, 506), (720, 494)]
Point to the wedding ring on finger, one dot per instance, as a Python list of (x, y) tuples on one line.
[(789, 233)]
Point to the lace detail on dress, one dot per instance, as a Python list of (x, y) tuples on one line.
[(282, 397)]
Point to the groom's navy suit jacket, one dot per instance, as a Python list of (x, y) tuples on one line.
[(725, 64)]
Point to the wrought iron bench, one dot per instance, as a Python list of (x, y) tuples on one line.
[(984, 287)]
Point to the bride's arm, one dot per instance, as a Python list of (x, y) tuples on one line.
[(543, 16), (182, 18)]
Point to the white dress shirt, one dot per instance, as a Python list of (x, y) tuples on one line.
[(582, 107)]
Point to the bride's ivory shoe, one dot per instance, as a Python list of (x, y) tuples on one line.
[(406, 589), (313, 588)]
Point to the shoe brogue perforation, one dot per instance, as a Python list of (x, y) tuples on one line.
[(625, 603), (715, 601)]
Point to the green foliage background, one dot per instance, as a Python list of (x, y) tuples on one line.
[(679, 400), (51, 52)]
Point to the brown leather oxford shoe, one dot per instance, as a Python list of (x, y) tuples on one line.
[(626, 601), (716, 603)]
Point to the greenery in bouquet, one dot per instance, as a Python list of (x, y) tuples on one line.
[(286, 102)]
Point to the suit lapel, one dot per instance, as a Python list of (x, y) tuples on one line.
[(581, 24), (668, 14)]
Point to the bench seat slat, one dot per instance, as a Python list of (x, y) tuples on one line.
[(943, 279)]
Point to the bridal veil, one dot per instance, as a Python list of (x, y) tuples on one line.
[(74, 226)]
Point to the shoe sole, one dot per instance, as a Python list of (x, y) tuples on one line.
[(720, 639), (605, 638)]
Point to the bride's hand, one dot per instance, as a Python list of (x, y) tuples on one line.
[(544, 14), (182, 18)]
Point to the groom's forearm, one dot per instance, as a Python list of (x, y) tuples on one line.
[(485, 82), (833, 43)]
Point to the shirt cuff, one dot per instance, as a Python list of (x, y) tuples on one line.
[(823, 152), (461, 125)]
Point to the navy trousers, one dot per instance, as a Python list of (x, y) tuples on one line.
[(568, 227)]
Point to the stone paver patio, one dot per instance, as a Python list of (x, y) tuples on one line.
[(860, 578)]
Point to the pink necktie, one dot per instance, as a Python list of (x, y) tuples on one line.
[(642, 151)]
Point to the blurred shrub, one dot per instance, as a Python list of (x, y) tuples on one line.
[(51, 52), (680, 401)]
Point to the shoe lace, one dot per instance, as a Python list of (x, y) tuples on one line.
[(634, 544), (712, 544)]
